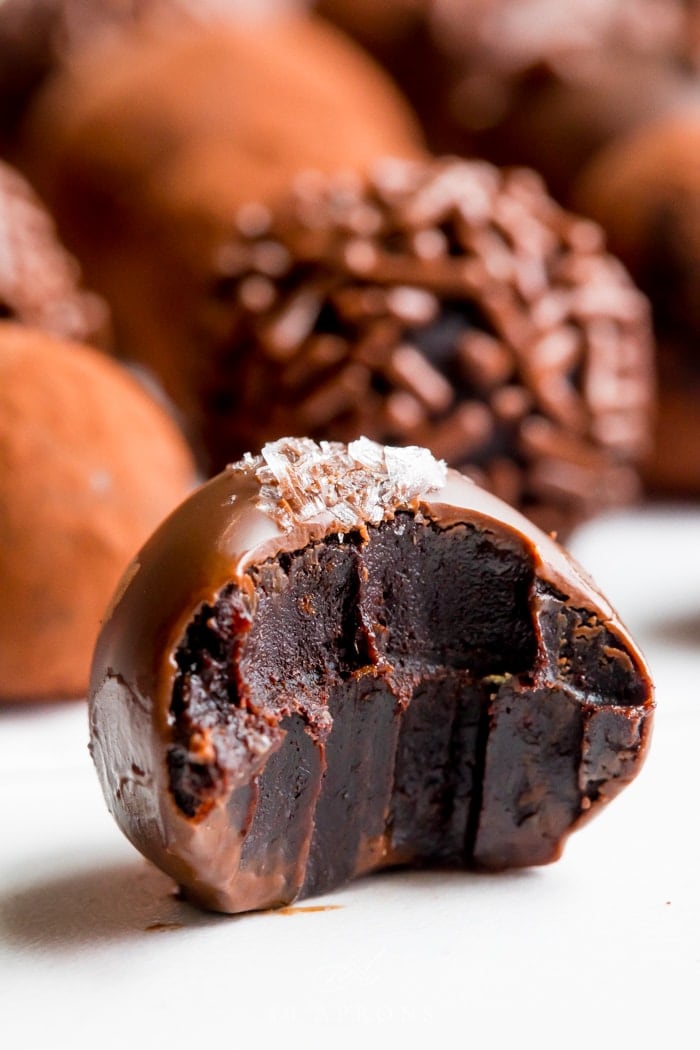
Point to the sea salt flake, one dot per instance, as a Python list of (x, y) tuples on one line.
[(300, 480)]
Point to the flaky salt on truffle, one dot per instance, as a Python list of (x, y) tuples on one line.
[(335, 659), (449, 305), (39, 280), (89, 465)]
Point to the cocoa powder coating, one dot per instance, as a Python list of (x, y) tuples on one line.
[(89, 465)]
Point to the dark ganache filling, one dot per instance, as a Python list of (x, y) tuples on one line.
[(433, 702)]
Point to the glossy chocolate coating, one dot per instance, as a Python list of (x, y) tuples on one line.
[(329, 661)]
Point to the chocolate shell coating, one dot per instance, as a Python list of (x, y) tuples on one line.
[(447, 304), (331, 660)]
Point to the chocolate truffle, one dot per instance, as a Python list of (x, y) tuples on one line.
[(89, 465), (645, 189), (544, 83), (603, 99), (38, 36), (38, 278), (144, 168), (447, 304), (335, 659), (535, 82)]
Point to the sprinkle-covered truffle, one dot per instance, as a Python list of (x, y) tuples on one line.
[(449, 305), (602, 97)]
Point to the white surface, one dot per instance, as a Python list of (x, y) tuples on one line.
[(600, 950)]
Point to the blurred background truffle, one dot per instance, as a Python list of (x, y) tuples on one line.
[(144, 167), (39, 280), (37, 37), (449, 305), (89, 465), (535, 82), (602, 97), (645, 189), (154, 121)]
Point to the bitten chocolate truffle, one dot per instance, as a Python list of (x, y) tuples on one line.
[(89, 465), (39, 280), (335, 659), (448, 304)]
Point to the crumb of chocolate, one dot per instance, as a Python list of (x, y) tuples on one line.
[(307, 909)]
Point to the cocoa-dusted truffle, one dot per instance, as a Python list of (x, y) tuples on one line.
[(38, 278), (450, 305), (38, 36), (144, 168), (89, 465), (645, 189), (335, 659)]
